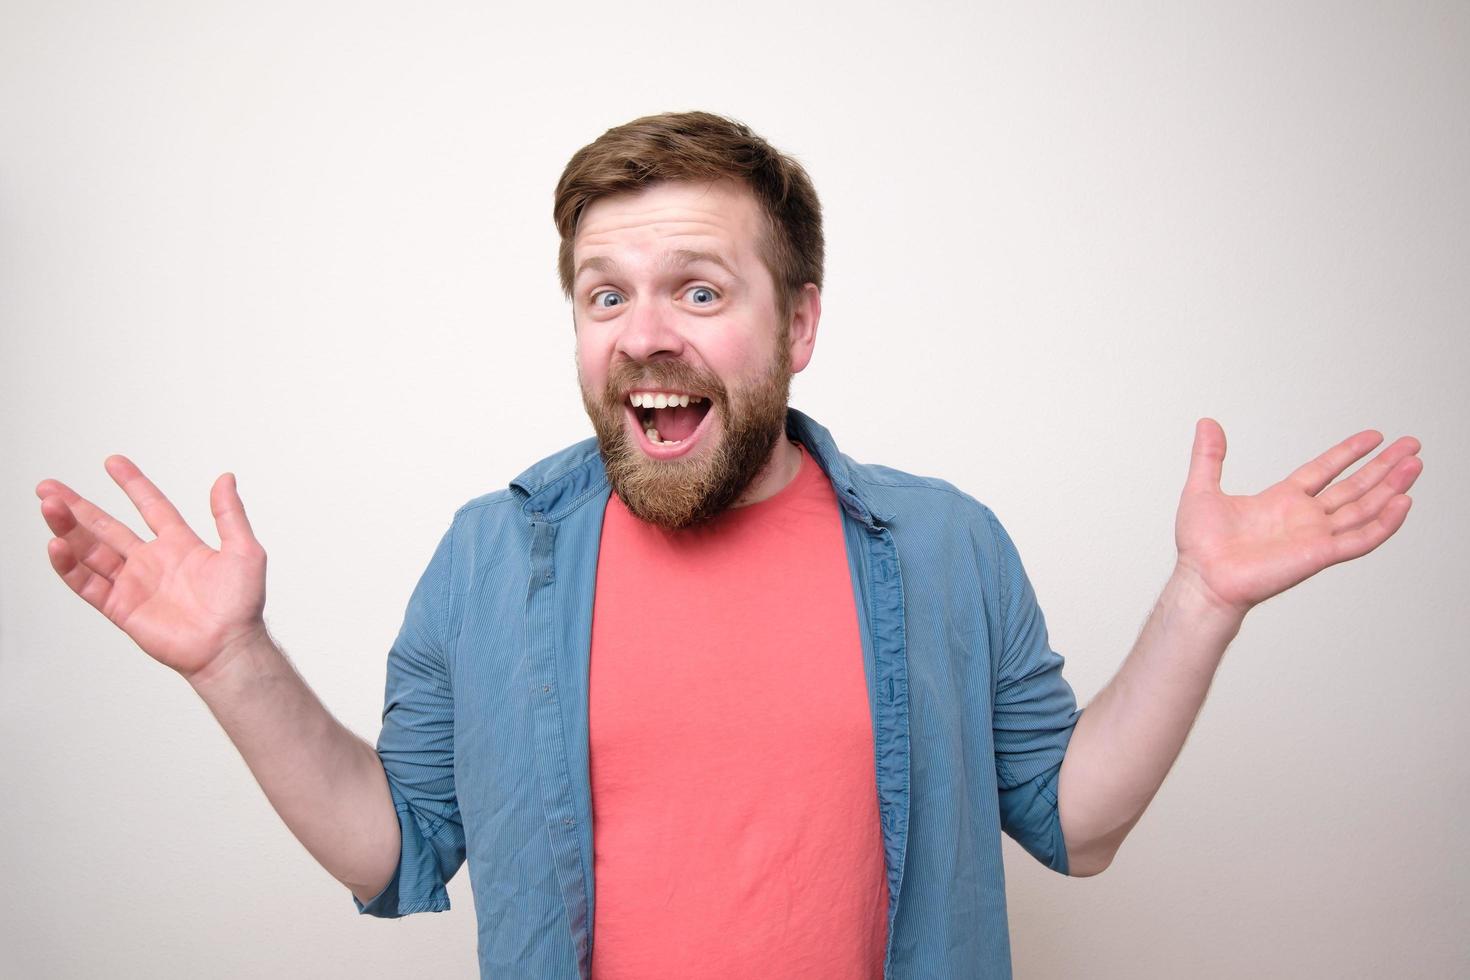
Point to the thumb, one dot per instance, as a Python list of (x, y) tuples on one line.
[(229, 516), (1207, 457)]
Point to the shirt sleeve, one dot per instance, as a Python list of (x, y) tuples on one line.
[(1034, 714), (416, 746)]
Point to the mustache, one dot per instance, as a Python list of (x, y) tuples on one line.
[(675, 375)]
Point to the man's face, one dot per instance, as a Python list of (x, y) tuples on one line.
[(683, 361)]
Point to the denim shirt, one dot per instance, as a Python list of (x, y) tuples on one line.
[(485, 722)]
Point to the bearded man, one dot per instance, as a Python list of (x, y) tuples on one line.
[(702, 696)]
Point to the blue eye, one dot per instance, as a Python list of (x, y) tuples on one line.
[(702, 295), (607, 300)]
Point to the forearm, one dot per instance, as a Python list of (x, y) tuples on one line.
[(326, 783), (1128, 737)]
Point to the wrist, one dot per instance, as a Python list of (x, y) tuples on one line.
[(243, 656), (1188, 595)]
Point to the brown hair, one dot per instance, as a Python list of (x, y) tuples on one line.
[(700, 146)]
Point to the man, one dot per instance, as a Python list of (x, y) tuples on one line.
[(775, 704)]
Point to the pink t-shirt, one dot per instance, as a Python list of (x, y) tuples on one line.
[(734, 798)]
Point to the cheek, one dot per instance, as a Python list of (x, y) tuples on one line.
[(591, 366), (724, 353), (738, 364)]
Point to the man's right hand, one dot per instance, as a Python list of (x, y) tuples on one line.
[(186, 604), (198, 611)]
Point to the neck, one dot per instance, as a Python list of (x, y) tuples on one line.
[(779, 470)]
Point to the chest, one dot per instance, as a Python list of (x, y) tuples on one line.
[(746, 634)]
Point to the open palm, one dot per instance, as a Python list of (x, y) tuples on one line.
[(1245, 549), (179, 599)]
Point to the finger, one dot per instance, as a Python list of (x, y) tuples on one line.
[(97, 556), (82, 580), (1207, 458), (235, 533), (1369, 476), (93, 519), (1312, 477), (1357, 543), (157, 512), (1367, 507), (50, 488)]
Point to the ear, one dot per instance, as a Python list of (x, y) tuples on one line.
[(806, 311)]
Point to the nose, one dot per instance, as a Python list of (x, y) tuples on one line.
[(650, 333)]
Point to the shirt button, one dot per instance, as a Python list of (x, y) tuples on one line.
[(546, 687)]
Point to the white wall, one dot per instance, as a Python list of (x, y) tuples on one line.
[(311, 243)]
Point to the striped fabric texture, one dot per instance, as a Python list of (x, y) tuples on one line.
[(485, 721)]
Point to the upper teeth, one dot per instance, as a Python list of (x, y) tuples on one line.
[(663, 399)]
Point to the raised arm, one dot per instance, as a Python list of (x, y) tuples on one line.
[(1234, 553), (199, 611)]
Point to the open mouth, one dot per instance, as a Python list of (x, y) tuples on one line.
[(671, 421)]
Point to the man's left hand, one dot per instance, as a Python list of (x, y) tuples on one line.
[(1239, 551)]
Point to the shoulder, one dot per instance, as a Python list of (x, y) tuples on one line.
[(489, 506), (573, 466), (936, 525), (494, 529), (911, 497)]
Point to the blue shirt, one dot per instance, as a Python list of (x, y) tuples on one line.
[(485, 732)]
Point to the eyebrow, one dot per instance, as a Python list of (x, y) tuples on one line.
[(677, 257)]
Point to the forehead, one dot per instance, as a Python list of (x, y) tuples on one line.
[(723, 216)]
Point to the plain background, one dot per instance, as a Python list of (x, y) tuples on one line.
[(311, 243)]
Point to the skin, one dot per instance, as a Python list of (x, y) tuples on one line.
[(199, 610), (1234, 552), (645, 309)]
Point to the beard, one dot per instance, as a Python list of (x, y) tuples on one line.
[(690, 489)]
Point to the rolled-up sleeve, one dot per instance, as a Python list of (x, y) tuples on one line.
[(1034, 714), (416, 745)]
